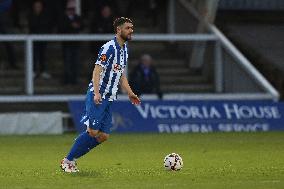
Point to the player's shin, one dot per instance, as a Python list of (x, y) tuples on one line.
[(82, 145)]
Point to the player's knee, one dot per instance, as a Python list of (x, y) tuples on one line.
[(102, 137), (92, 132)]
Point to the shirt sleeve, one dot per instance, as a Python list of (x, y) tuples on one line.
[(105, 54)]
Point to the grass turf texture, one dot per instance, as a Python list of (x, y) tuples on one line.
[(216, 160)]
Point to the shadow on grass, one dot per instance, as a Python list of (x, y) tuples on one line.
[(86, 173)]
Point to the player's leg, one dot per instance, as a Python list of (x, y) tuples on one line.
[(106, 125), (87, 140), (82, 145), (98, 130), (102, 137)]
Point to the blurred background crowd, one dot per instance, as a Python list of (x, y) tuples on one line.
[(64, 17), (254, 26)]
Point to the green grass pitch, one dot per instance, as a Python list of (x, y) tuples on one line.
[(215, 160)]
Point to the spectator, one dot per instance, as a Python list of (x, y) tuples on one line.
[(4, 7), (98, 4), (39, 24), (124, 8), (144, 78), (153, 12), (15, 14), (102, 23), (70, 23), (53, 9)]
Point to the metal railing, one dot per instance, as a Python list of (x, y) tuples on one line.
[(233, 51), (29, 39), (244, 62), (219, 39)]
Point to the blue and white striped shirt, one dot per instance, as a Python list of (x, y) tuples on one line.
[(113, 59)]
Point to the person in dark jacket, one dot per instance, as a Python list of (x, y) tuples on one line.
[(70, 23), (5, 5), (144, 78), (102, 23), (39, 24)]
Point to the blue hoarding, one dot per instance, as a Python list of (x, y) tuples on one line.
[(191, 116)]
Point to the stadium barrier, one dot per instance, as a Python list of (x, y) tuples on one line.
[(30, 39), (268, 93), (230, 50), (176, 116), (217, 37), (22, 123), (159, 125)]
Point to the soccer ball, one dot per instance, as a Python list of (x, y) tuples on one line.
[(173, 162)]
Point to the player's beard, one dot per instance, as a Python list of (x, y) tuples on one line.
[(125, 37)]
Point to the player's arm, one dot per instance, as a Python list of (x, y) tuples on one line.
[(125, 85), (96, 81), (102, 62)]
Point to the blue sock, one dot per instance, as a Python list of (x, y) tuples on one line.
[(83, 144)]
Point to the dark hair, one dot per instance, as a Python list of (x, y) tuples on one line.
[(120, 21)]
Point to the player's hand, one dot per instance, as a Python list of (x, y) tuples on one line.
[(97, 98), (134, 99)]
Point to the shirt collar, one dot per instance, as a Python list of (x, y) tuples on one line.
[(118, 46)]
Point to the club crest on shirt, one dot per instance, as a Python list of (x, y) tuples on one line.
[(117, 68), (103, 57)]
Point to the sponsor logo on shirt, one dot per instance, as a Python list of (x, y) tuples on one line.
[(103, 58), (117, 68)]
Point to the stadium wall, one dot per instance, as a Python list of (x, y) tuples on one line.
[(22, 123)]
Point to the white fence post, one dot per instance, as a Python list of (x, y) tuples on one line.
[(78, 6), (29, 67), (218, 67), (171, 16)]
